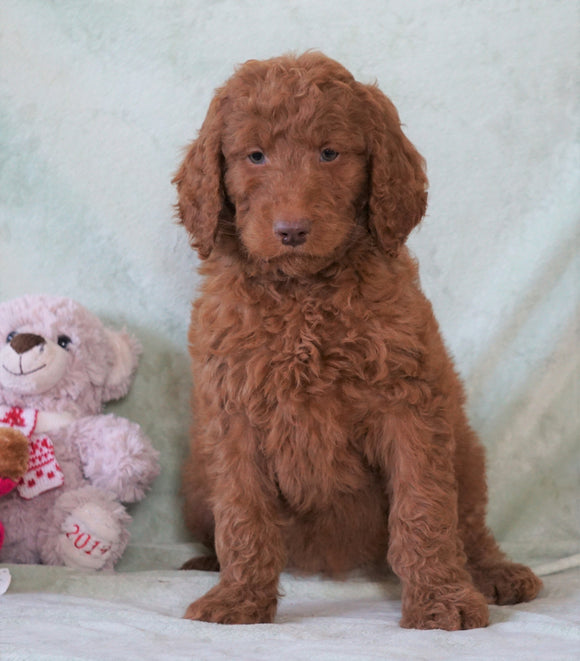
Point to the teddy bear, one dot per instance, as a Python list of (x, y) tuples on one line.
[(59, 364)]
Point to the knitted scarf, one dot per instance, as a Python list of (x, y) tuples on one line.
[(43, 472)]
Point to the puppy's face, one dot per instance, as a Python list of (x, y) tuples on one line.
[(295, 169), (294, 160)]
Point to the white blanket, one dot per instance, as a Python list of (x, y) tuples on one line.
[(60, 614)]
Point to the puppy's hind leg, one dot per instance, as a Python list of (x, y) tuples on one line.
[(500, 580), (198, 518)]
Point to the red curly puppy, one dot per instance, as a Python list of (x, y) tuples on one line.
[(330, 430)]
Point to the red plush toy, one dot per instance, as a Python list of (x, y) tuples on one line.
[(14, 449)]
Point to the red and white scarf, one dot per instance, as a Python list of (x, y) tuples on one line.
[(43, 472)]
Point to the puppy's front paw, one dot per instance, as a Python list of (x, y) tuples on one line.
[(225, 605), (445, 607)]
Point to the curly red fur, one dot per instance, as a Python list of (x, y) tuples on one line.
[(329, 430)]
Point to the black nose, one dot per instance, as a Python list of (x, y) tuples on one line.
[(292, 232), (23, 342)]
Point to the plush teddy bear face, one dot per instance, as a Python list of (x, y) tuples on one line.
[(54, 350), (32, 364)]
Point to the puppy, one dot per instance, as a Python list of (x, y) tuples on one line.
[(330, 430)]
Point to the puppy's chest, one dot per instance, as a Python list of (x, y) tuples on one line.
[(293, 355), (315, 351), (306, 377), (315, 401)]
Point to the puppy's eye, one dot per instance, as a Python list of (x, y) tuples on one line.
[(257, 158), (11, 336), (64, 341), (328, 155)]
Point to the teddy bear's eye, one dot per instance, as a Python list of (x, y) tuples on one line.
[(11, 336), (64, 341)]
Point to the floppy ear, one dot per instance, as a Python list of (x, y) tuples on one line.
[(199, 183), (398, 183)]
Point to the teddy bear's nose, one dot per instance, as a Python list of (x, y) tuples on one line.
[(24, 342)]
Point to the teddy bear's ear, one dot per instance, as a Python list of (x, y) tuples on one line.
[(126, 351)]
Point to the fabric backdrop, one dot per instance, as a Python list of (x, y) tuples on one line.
[(99, 98)]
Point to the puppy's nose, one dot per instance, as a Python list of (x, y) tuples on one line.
[(292, 232)]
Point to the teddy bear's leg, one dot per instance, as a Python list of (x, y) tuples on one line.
[(87, 531)]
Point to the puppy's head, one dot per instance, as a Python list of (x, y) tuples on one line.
[(295, 160)]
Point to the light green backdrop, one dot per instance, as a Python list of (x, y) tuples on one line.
[(97, 100)]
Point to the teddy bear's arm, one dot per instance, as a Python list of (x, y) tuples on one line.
[(116, 455)]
